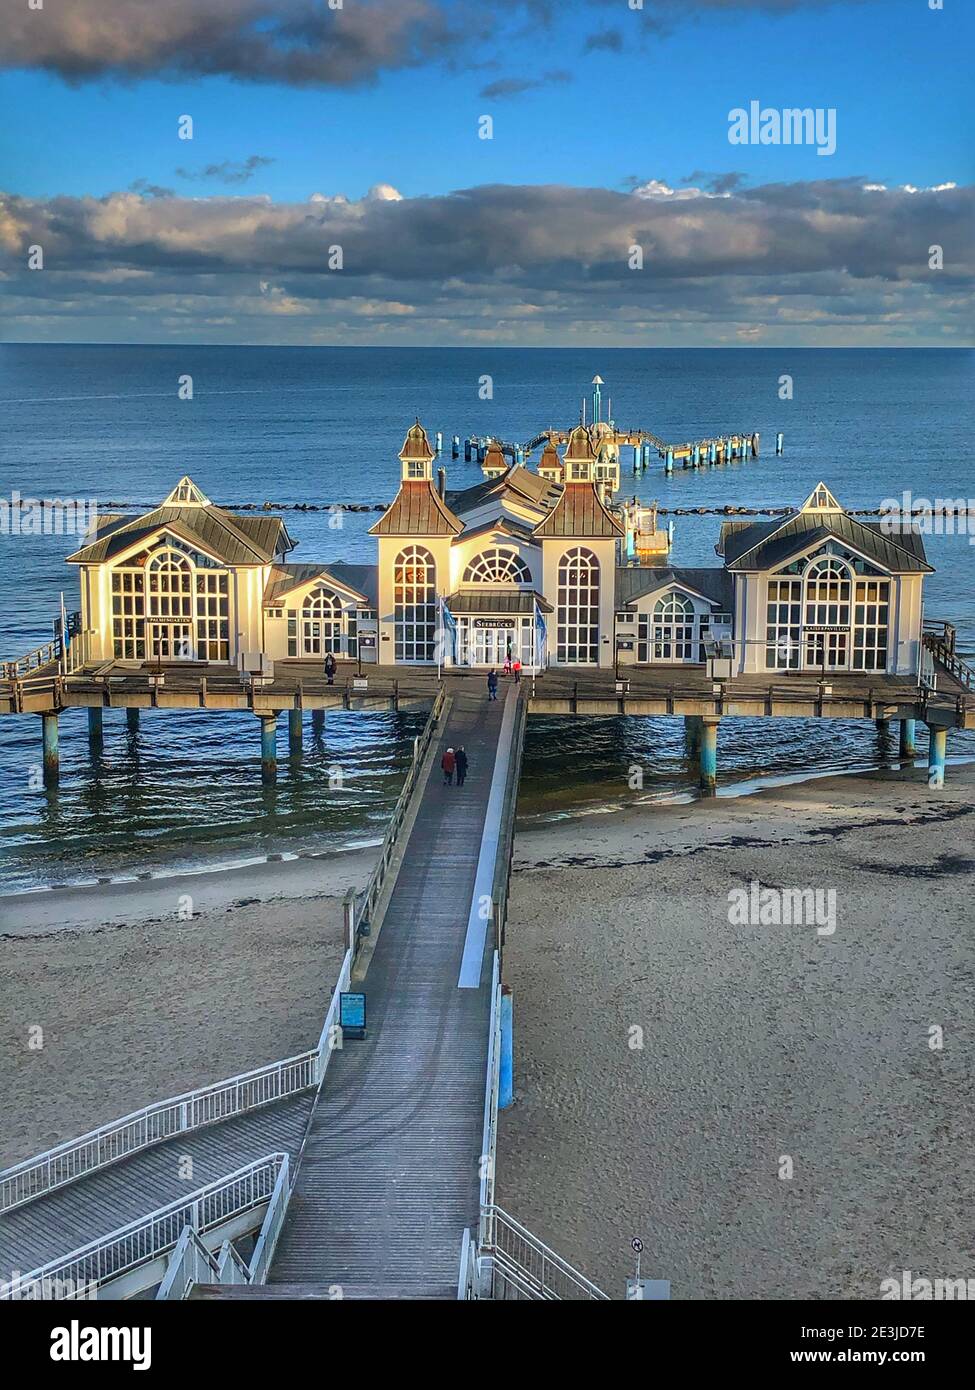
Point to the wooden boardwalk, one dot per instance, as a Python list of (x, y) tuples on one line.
[(389, 1178)]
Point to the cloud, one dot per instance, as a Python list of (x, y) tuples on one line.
[(606, 38), (514, 86), (298, 42), (827, 261), (229, 170)]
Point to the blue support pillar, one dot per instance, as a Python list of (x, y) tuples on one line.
[(637, 454), (908, 737), (95, 725), (294, 730), (49, 736), (937, 749), (467, 451), (269, 748), (132, 719), (455, 447), (779, 442), (439, 442), (708, 754), (712, 452), (506, 1077), (669, 462)]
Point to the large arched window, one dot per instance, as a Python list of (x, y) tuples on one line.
[(415, 604), (828, 592), (497, 567), (578, 608), (321, 623), (673, 628), (171, 606)]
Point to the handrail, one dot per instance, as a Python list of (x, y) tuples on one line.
[(489, 1132), (365, 902), (541, 1271), (943, 650), (75, 1158), (83, 1271)]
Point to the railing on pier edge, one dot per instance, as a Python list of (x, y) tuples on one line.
[(79, 1274), (939, 639), (237, 1095), (52, 653), (365, 902)]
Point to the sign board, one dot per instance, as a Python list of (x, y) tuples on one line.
[(825, 628), (623, 645), (640, 1289), (368, 632), (352, 1015), (507, 623), (360, 683)]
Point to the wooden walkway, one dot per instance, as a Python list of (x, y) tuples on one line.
[(53, 1226), (389, 1178)]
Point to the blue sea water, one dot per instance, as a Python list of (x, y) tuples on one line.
[(323, 425)]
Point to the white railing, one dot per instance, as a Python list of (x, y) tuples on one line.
[(82, 1273), (76, 1158), (512, 1263), (193, 1263), (365, 902)]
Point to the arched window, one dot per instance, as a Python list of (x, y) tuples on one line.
[(673, 628), (497, 567), (578, 608), (171, 606), (415, 604), (321, 623), (828, 591)]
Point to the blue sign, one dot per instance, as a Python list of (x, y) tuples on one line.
[(352, 1015)]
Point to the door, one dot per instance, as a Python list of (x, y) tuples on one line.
[(828, 651), (170, 641)]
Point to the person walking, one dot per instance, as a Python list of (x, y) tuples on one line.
[(516, 667), (507, 665), (460, 759), (448, 762), (492, 684), (330, 668)]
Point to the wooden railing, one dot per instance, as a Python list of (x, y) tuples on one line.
[(941, 645)]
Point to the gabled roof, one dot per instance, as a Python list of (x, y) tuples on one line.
[(579, 447), (231, 538), (357, 580), (417, 510), (636, 581), (579, 512), (766, 545)]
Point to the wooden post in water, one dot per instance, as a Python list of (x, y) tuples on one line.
[(132, 719), (49, 738), (294, 730), (95, 726), (269, 747)]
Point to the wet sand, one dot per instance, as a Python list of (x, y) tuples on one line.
[(139, 1001), (761, 1044)]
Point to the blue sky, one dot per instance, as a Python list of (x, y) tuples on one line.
[(653, 106)]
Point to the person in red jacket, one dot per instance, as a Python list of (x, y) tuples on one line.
[(448, 762)]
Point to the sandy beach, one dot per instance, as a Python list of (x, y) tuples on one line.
[(138, 1000), (762, 1045)]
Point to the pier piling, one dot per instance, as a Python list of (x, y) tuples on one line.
[(692, 732), (669, 462), (49, 737), (318, 723), (708, 754), (467, 451), (908, 745), (95, 725), (455, 447), (937, 749), (506, 1071), (294, 730), (779, 442), (269, 748), (132, 719)]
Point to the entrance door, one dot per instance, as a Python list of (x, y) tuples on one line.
[(170, 641), (491, 645), (828, 651)]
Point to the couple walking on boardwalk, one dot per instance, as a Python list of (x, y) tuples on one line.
[(454, 761)]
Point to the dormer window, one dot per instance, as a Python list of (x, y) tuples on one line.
[(579, 472), (416, 470)]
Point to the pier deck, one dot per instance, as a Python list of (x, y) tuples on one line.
[(649, 691), (389, 1178)]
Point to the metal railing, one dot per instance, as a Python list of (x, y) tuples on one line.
[(193, 1263), (154, 1124), (941, 645), (365, 903), (512, 1264), (489, 1134), (83, 1272)]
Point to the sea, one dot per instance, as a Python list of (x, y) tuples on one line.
[(301, 426)]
